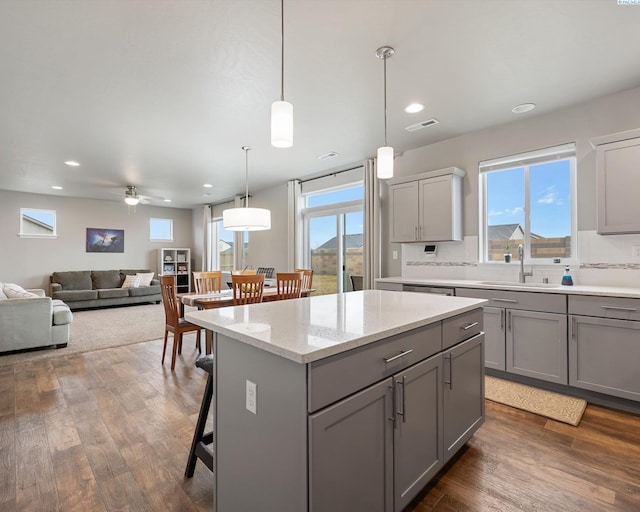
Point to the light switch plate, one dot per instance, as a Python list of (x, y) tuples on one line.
[(252, 397), (635, 252)]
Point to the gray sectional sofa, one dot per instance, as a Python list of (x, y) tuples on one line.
[(32, 322), (84, 289)]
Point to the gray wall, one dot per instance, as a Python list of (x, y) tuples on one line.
[(29, 261), (610, 114)]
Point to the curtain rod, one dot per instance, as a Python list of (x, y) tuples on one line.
[(335, 173)]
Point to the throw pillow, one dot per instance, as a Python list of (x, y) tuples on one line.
[(14, 291), (131, 282), (145, 279)]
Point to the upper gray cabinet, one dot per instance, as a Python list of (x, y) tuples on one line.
[(427, 207), (618, 180)]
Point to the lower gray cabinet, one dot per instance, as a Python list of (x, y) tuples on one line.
[(604, 355), (494, 340), (463, 396), (351, 453), (418, 429), (537, 345)]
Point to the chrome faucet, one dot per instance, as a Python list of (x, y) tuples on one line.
[(522, 275)]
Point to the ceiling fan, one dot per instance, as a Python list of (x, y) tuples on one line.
[(132, 198)]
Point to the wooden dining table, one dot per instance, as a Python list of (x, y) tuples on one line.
[(222, 299)]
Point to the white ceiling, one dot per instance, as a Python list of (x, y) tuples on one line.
[(162, 94)]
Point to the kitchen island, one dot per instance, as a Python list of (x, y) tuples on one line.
[(341, 402)]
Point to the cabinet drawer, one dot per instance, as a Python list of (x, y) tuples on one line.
[(531, 301), (606, 307), (338, 376), (461, 327)]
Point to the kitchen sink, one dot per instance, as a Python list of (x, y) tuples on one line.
[(523, 285)]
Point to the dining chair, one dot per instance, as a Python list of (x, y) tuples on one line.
[(307, 277), (208, 282), (173, 322), (289, 285), (247, 289), (357, 283)]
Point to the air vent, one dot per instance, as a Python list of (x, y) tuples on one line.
[(330, 154), (421, 125)]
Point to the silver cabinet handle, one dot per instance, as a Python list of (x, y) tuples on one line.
[(574, 327), (403, 413), (617, 308), (448, 357), (502, 319), (415, 236), (469, 326), (398, 356), (508, 320), (393, 400), (505, 300)]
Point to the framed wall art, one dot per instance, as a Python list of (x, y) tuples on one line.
[(105, 240)]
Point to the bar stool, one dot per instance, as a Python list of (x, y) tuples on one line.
[(199, 446)]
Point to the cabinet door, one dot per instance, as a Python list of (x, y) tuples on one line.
[(351, 453), (404, 212), (436, 210), (604, 356), (537, 345), (463, 402), (494, 338), (617, 184), (418, 429)]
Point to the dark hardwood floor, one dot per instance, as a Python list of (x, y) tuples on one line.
[(111, 430)]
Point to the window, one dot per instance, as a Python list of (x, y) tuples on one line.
[(37, 223), (333, 232), (161, 230), (529, 199)]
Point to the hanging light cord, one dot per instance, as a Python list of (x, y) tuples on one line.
[(246, 175), (282, 50), (384, 60)]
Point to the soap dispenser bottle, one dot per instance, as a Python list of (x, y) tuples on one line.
[(566, 278)]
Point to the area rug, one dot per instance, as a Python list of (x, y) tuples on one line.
[(558, 407), (102, 328)]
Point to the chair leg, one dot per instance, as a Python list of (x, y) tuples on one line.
[(164, 347), (200, 439), (175, 350), (180, 344), (198, 341)]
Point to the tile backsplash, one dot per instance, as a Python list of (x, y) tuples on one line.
[(603, 260)]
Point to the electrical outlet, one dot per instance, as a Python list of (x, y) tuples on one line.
[(635, 252), (252, 397), (395, 255)]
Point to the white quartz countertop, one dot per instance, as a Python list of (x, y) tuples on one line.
[(604, 291), (312, 328)]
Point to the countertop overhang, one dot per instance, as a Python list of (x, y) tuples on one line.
[(313, 328), (604, 291)]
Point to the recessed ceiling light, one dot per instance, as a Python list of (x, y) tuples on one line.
[(413, 108), (72, 163), (167, 200), (207, 185), (56, 187), (525, 107)]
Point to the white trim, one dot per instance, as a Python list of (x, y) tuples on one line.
[(531, 157)]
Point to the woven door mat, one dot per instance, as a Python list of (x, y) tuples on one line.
[(558, 407)]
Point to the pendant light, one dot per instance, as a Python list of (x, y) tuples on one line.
[(385, 153), (282, 111), (246, 219)]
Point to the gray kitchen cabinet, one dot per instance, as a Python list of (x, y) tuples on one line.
[(604, 350), (525, 332), (427, 207), (348, 475), (406, 426), (617, 182), (418, 432), (463, 393), (536, 345)]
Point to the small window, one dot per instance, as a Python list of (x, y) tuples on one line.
[(324, 198), (37, 223), (161, 230)]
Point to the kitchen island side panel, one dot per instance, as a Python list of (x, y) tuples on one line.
[(260, 458)]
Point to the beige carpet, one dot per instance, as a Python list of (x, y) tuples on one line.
[(558, 407), (102, 328)]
